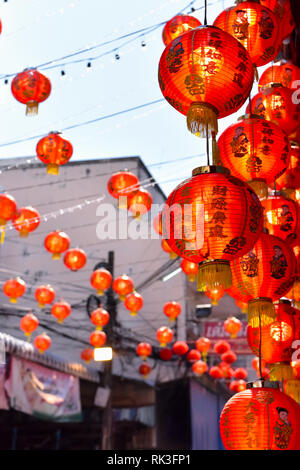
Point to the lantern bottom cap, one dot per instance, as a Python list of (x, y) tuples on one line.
[(56, 256), (52, 169), (32, 108), (202, 119), (212, 274), (261, 312)]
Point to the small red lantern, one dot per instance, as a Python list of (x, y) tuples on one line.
[(229, 357), (42, 342), (215, 294), (172, 310), (122, 184), (237, 386), (165, 354), (97, 338), (157, 223), (215, 372), (193, 355), (227, 371), (99, 318), (285, 74), (178, 25), (290, 180), (26, 220), (56, 243), (240, 374), (282, 218), (260, 418), (44, 294), (14, 288), (203, 345), (61, 310), (31, 87), (123, 285), (180, 348), (232, 326), (255, 363), (221, 347), (54, 151), (164, 335), (8, 208), (75, 259), (101, 280), (29, 324), (87, 355), (145, 369), (167, 249), (133, 302), (189, 268), (144, 350), (199, 367), (282, 9), (139, 202), (243, 306)]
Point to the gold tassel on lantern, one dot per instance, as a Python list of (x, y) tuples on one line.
[(191, 277), (281, 371), (260, 187), (215, 151), (52, 169), (212, 274), (32, 108), (292, 388), (261, 310), (122, 202), (202, 119), (2, 230)]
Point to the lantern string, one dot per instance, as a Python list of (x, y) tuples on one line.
[(205, 12), (259, 350), (207, 145)]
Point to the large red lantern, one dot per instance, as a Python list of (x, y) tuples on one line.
[(123, 285), (180, 348), (8, 208), (139, 202), (57, 243), (193, 355), (282, 9), (275, 103), (255, 27), (165, 246), (99, 318), (256, 151), (215, 372), (262, 276), (205, 74), (282, 218), (75, 259), (29, 324), (61, 310), (232, 326), (290, 180), (223, 222), (31, 87), (285, 74), (14, 288), (101, 280), (203, 345), (178, 25), (199, 367), (44, 294), (145, 369), (164, 335), (42, 342), (221, 346), (87, 355), (54, 151), (26, 220), (133, 302), (122, 184), (190, 269), (215, 294), (240, 373), (260, 418), (97, 338), (144, 350), (172, 310)]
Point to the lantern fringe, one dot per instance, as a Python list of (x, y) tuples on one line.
[(56, 256), (262, 309), (41, 305), (191, 277), (52, 169), (259, 187), (32, 108), (204, 356), (256, 76), (173, 255), (13, 300), (214, 274), (281, 371), (100, 292), (122, 202), (23, 233), (133, 314), (292, 388), (216, 157), (289, 193), (202, 120)]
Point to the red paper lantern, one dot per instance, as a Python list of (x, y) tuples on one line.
[(42, 342), (199, 367), (8, 208), (122, 184), (206, 75), (285, 74), (232, 326), (275, 103), (232, 216), (294, 293), (164, 335), (260, 419), (56, 243), (193, 355), (229, 357), (99, 318), (203, 345), (101, 280), (29, 324), (215, 294), (255, 27), (172, 310), (97, 338), (44, 294), (255, 363), (290, 180), (227, 371), (31, 87), (165, 246), (139, 202), (240, 374), (145, 369), (189, 268), (14, 288), (54, 151), (157, 224), (123, 285), (165, 354), (237, 386), (180, 348), (282, 9), (61, 310), (75, 259), (133, 302), (256, 151), (178, 25), (243, 306), (26, 220), (144, 350), (282, 218), (221, 346), (215, 372), (87, 355)]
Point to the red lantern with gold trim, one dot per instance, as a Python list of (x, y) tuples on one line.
[(29, 324), (290, 180), (165, 246), (14, 288), (282, 9), (42, 342), (178, 25), (123, 285), (87, 355), (255, 27), (203, 345), (215, 294), (172, 310), (232, 326), (31, 87), (133, 302), (144, 350), (54, 151), (101, 280), (285, 74), (164, 335), (122, 184), (205, 74), (139, 202), (44, 294), (199, 367), (8, 208), (57, 243), (75, 259), (97, 338), (99, 318), (256, 151), (61, 310), (145, 369), (189, 268), (180, 348), (26, 220), (193, 355), (260, 418)]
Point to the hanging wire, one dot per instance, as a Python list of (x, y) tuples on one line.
[(207, 145), (205, 12)]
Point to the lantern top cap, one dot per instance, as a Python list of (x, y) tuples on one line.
[(250, 116), (262, 384), (210, 169), (294, 144), (55, 132), (271, 85), (282, 301)]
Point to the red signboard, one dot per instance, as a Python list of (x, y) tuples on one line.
[(214, 330)]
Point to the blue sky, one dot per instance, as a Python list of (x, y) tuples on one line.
[(38, 31)]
